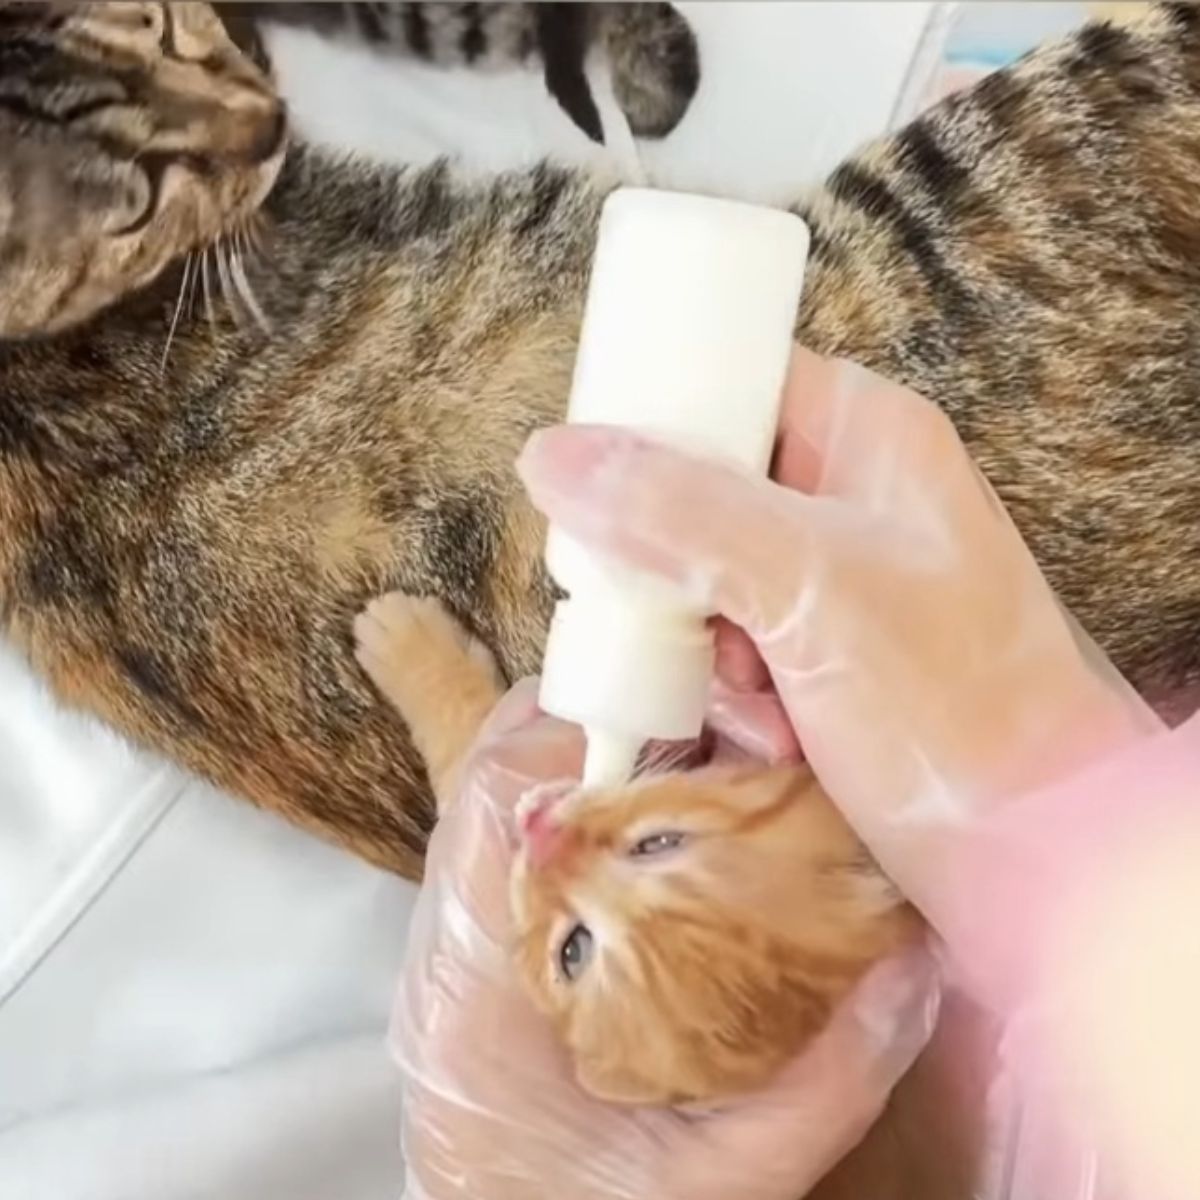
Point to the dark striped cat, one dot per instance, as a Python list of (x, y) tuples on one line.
[(128, 133), (651, 50), (187, 536)]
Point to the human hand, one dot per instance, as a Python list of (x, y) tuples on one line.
[(491, 1109), (922, 658)]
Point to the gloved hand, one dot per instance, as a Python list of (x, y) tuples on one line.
[(921, 657), (491, 1111)]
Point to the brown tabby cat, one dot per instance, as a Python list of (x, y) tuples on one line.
[(128, 133), (651, 49), (187, 536), (688, 934)]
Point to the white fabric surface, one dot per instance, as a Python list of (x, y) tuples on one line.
[(193, 995)]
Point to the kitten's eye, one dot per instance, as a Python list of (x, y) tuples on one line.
[(576, 952), (656, 843)]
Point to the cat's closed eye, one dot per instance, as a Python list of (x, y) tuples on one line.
[(576, 952), (656, 843)]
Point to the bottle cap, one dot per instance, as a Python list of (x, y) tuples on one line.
[(611, 758)]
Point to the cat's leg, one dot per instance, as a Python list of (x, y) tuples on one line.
[(442, 681)]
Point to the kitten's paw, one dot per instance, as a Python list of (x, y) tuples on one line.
[(398, 633), (441, 681)]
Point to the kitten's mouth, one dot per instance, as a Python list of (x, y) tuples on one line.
[(657, 758), (712, 748)]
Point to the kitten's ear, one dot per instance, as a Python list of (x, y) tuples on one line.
[(755, 788)]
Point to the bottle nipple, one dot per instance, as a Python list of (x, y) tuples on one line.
[(610, 757)]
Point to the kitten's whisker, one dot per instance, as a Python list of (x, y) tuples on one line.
[(183, 287)]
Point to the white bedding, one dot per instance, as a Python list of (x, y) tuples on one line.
[(192, 994)]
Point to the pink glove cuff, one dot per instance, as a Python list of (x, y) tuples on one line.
[(1024, 882), (1075, 911)]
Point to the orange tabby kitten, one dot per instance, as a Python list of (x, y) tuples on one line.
[(687, 934)]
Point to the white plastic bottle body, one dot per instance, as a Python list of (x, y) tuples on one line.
[(686, 338)]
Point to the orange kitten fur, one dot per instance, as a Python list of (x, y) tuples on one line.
[(442, 681), (687, 934)]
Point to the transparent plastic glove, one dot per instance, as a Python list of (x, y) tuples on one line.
[(923, 660), (491, 1111)]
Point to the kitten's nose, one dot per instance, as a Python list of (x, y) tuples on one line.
[(541, 834)]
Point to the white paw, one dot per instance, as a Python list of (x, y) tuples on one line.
[(393, 625)]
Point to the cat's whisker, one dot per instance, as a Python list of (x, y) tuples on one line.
[(208, 303), (245, 291), (193, 289), (253, 250), (228, 288), (254, 234), (241, 247), (262, 251), (183, 288), (252, 247)]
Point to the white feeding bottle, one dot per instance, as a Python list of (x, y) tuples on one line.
[(686, 337)]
